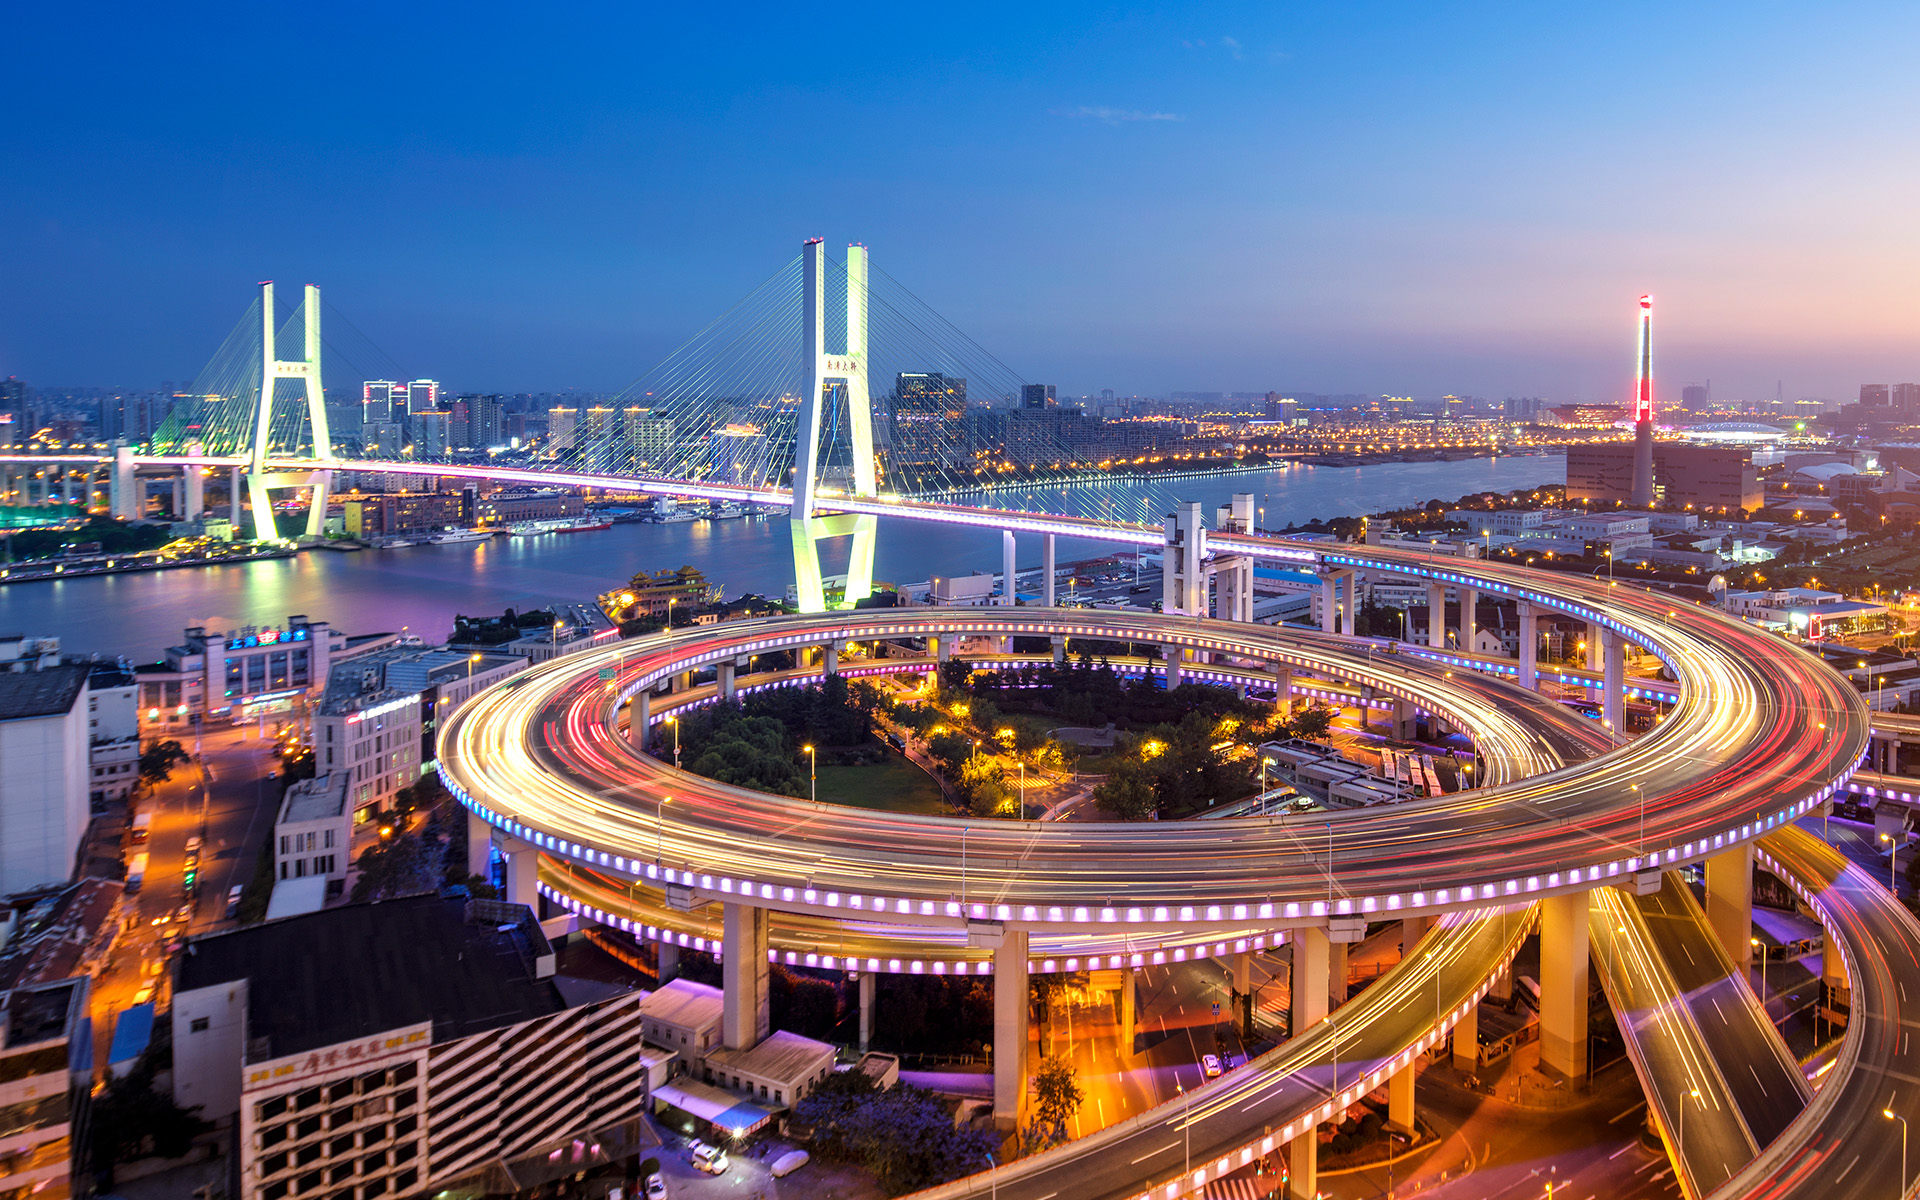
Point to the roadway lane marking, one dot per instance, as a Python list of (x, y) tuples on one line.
[(1756, 1079), (1850, 1166), (1149, 1154)]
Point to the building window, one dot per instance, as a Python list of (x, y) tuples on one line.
[(197, 1025)]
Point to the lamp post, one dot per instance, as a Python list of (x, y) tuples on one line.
[(1763, 968), (813, 774), (675, 722), (1893, 857), (993, 1178), (1186, 1123), (1891, 1115), (660, 827)]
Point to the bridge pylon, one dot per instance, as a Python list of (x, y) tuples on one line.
[(827, 372), (260, 481)]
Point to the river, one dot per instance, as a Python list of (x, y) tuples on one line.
[(422, 587)]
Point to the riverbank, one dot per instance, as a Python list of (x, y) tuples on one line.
[(41, 570)]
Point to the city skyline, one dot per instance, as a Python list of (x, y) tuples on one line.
[(1398, 202)]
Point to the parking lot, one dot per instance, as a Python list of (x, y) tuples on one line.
[(748, 1176)]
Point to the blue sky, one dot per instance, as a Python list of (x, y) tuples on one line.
[(1388, 198)]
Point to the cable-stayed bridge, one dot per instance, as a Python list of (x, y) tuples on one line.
[(830, 388)]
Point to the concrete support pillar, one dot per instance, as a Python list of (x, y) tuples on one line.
[(233, 500), (1614, 681), (830, 659), (1833, 968), (196, 500), (743, 977), (943, 649), (723, 673), (1563, 985), (1046, 571), (1349, 589), (1240, 966), (1059, 647), (1309, 1008), (1129, 983), (1529, 646), (1466, 1040), (1437, 616), (1172, 654), (479, 847), (1404, 718), (523, 875), (1893, 757), (123, 496), (1329, 614), (639, 718), (1412, 929), (1010, 987), (176, 504), (666, 960), (1730, 903), (866, 982), (1336, 974), (1006, 566), (66, 487), (1469, 618), (1400, 1098), (1594, 661)]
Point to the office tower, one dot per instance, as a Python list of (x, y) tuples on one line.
[(1873, 395), (376, 401), (429, 431), (1905, 398), (928, 411), (1036, 395), (423, 395), (1643, 411), (562, 428), (1693, 398), (650, 438)]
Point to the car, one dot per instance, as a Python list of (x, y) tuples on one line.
[(788, 1163), (193, 846), (233, 901), (185, 913), (711, 1159), (1210, 1063), (656, 1188)]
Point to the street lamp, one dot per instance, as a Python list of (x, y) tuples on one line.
[(1695, 1093), (993, 1177), (1893, 857), (813, 774), (1763, 968), (675, 722), (1891, 1115), (660, 827), (1186, 1122)]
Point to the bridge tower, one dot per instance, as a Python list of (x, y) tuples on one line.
[(827, 373), (260, 481)]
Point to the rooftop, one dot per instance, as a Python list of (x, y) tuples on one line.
[(783, 1056), (328, 977), (47, 692), (316, 799), (684, 1003), (39, 1014)]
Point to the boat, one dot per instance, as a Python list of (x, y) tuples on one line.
[(673, 517), (722, 510), (454, 536), (584, 525), (558, 525)]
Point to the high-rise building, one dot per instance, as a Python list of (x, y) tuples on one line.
[(1694, 398), (1873, 395), (429, 433), (1036, 395), (376, 401), (1905, 398), (928, 411), (16, 417), (562, 428), (423, 395), (650, 438)]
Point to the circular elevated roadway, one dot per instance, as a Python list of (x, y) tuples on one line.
[(1761, 732)]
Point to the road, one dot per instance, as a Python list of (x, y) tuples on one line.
[(224, 797)]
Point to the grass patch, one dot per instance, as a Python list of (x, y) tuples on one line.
[(894, 785)]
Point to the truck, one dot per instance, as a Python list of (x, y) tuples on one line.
[(142, 825), (136, 871)]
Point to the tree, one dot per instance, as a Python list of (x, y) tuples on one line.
[(904, 1135), (402, 863), (131, 1120), (158, 760), (1127, 793), (1056, 1097), (1311, 723), (954, 674)]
